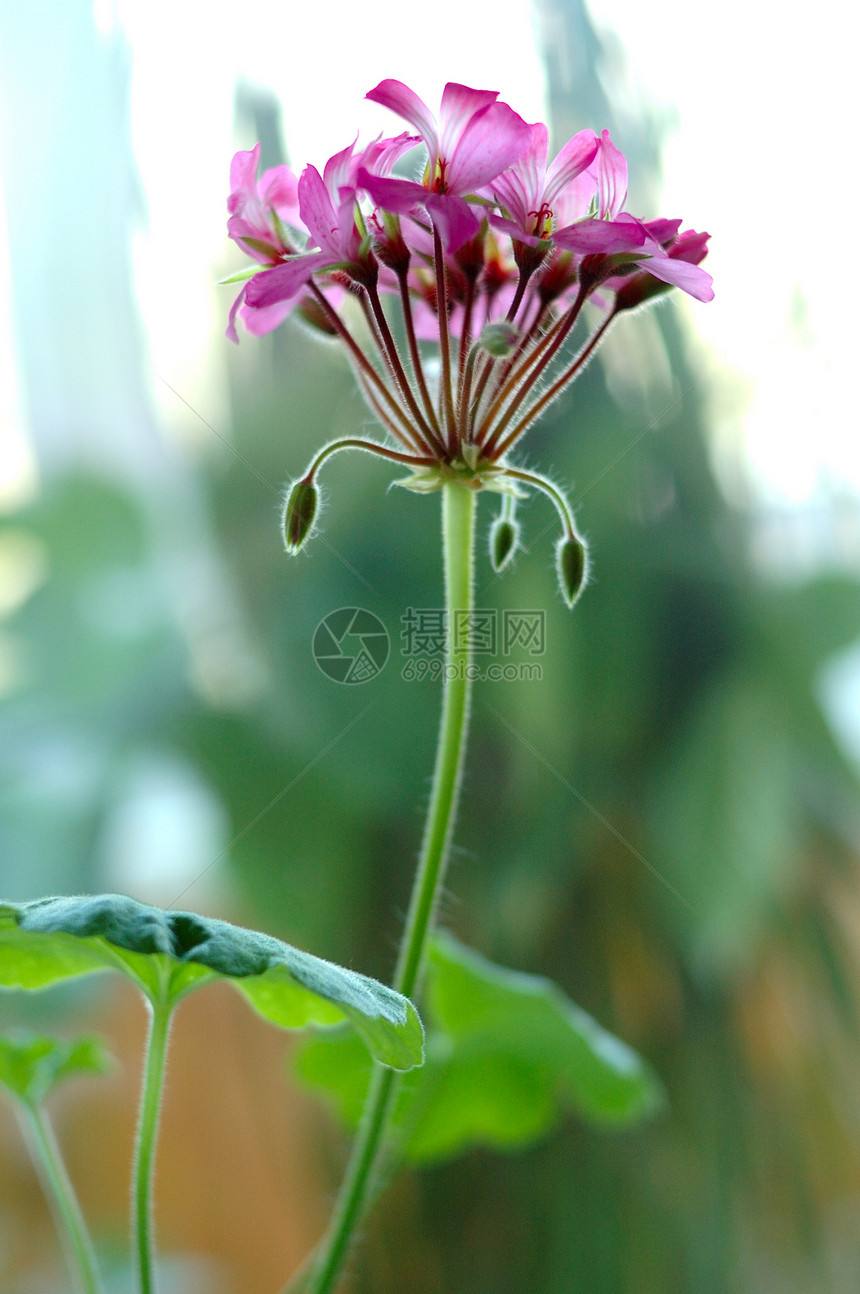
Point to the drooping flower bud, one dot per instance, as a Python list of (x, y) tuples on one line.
[(299, 513), (499, 339), (572, 565), (504, 538)]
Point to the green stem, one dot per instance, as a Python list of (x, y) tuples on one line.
[(458, 534), (147, 1132), (61, 1194)]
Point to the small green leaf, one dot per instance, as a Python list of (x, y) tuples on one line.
[(506, 1054), (31, 1065), (170, 953)]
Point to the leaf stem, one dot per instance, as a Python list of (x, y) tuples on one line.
[(147, 1132), (458, 533), (61, 1195)]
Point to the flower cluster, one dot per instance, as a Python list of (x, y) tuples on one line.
[(490, 255)]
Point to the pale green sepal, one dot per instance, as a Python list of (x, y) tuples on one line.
[(241, 276), (469, 471)]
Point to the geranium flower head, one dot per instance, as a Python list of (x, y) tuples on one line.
[(490, 258)]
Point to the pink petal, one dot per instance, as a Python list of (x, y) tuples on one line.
[(459, 105), (261, 320), (513, 230), (243, 176), (453, 217), (337, 170), (611, 177), (238, 228), (380, 155), (571, 161), (662, 231), (283, 281), (317, 209), (231, 322), (405, 102), (491, 142), (278, 188), (521, 188), (401, 196), (607, 236), (681, 274), (690, 246)]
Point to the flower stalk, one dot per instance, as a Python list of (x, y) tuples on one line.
[(458, 533)]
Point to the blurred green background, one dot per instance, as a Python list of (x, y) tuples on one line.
[(664, 822)]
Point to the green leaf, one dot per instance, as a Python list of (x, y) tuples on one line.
[(170, 953), (32, 1065), (506, 1054)]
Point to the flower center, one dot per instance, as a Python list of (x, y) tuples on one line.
[(543, 221), (440, 184)]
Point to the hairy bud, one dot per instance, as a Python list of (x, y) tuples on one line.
[(315, 316), (299, 513), (499, 339), (504, 537), (572, 565)]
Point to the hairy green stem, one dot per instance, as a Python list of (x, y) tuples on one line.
[(458, 533), (61, 1195), (147, 1132)]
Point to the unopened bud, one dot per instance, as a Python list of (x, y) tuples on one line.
[(572, 566), (499, 339), (503, 542), (299, 513), (315, 316)]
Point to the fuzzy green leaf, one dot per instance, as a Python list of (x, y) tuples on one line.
[(170, 953), (506, 1054), (32, 1065)]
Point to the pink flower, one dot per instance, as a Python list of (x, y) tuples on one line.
[(263, 214), (475, 139), (529, 191), (260, 209), (593, 220), (599, 227), (676, 265), (327, 209)]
